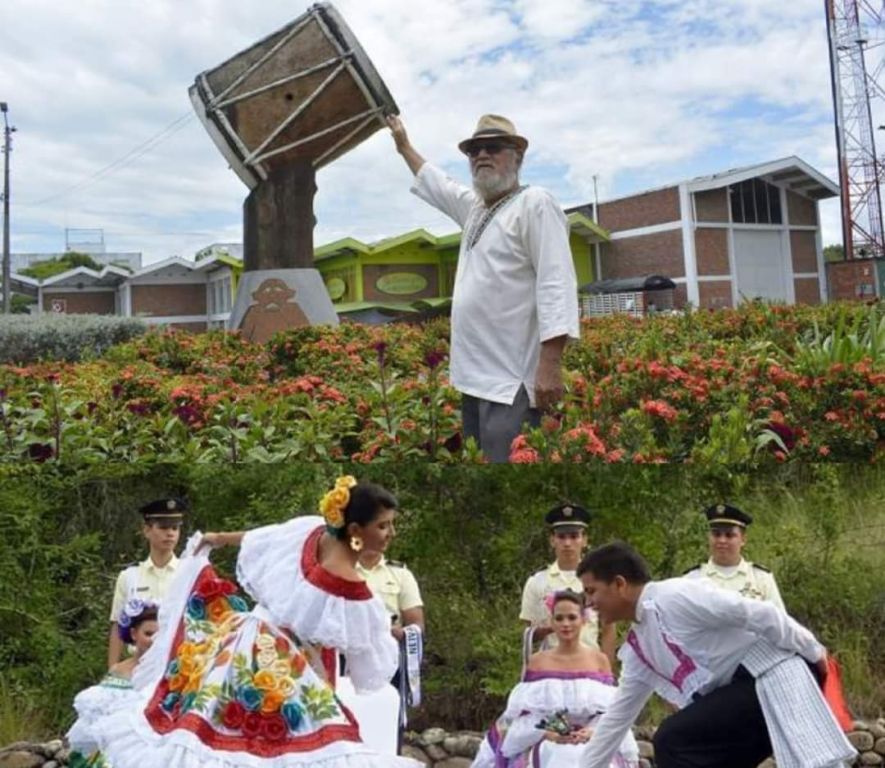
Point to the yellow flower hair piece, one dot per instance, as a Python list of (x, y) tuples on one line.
[(333, 503)]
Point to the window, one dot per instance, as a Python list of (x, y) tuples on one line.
[(218, 296), (755, 202)]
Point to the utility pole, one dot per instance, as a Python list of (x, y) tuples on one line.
[(7, 271)]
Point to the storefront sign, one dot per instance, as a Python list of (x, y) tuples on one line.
[(401, 283), (336, 288)]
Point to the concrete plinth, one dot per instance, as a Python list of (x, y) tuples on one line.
[(273, 300)]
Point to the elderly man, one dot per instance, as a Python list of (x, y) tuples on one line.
[(515, 301)]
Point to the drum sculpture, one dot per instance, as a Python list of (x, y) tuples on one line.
[(278, 111)]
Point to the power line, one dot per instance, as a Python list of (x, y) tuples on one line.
[(121, 162)]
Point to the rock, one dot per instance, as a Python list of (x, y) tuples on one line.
[(54, 747), (20, 759), (416, 753), (878, 729), (646, 749), (643, 732), (16, 746), (644, 763), (462, 745), (871, 758), (862, 741), (879, 746), (436, 753), (51, 764), (63, 756), (432, 736), (454, 762)]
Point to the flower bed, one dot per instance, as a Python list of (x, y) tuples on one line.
[(758, 384)]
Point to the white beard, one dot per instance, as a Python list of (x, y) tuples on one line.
[(491, 185)]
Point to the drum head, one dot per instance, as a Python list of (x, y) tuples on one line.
[(306, 92)]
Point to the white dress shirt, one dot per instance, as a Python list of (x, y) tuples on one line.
[(689, 637), (515, 288)]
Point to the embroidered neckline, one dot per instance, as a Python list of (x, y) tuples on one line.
[(480, 226)]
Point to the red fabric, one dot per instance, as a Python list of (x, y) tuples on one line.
[(832, 689), (329, 582)]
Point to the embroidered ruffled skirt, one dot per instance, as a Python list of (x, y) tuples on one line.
[(516, 741), (229, 687)]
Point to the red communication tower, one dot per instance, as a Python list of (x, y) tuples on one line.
[(854, 32)]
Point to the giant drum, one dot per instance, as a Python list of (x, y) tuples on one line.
[(306, 92)]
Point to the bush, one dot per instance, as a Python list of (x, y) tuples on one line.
[(472, 535), (68, 338), (748, 387)]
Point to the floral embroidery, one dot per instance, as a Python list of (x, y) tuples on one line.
[(255, 695)]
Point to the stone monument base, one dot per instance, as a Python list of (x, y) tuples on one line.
[(273, 300)]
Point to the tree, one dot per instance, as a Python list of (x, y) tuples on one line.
[(834, 252)]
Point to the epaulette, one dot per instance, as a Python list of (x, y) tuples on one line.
[(762, 568), (693, 568)]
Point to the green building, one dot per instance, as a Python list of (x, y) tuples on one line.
[(416, 271)]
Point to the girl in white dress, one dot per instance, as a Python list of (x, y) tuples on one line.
[(229, 687), (137, 626), (550, 713)]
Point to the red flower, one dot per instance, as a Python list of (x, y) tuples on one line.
[(209, 589), (273, 727), (233, 716), (660, 408), (252, 725)]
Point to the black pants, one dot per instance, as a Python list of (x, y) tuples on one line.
[(724, 729)]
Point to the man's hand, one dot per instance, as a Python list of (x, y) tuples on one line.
[(548, 377), (548, 384), (398, 632), (403, 145), (398, 131)]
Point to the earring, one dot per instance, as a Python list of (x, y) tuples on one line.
[(356, 543)]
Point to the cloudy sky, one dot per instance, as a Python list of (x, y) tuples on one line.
[(640, 93)]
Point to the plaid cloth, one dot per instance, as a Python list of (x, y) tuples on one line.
[(804, 733)]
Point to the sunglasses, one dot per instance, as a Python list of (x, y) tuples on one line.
[(491, 147)]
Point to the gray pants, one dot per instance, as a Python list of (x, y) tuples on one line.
[(494, 425)]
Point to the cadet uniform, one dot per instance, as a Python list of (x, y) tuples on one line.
[(564, 518), (145, 580), (394, 583), (747, 579)]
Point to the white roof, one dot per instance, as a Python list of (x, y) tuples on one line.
[(107, 276), (792, 172)]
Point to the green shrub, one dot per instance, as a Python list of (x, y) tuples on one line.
[(472, 535), (68, 338)]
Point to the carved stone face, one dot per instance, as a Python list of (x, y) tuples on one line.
[(273, 294)]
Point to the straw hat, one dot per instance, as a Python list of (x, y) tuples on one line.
[(495, 127)]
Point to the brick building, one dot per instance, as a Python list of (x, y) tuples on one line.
[(745, 233), (175, 292)]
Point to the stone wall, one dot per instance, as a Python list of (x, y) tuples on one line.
[(439, 749)]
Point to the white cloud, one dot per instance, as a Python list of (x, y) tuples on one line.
[(626, 89)]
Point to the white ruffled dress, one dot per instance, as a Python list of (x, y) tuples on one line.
[(232, 688), (113, 694), (515, 741)]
